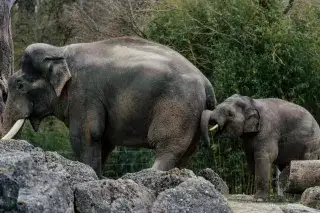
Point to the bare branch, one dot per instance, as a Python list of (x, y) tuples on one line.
[(142, 34), (108, 18)]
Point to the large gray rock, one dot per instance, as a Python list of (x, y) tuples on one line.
[(32, 180), (215, 179), (311, 197), (30, 188), (78, 172), (298, 208), (108, 196), (160, 180), (15, 145), (193, 195)]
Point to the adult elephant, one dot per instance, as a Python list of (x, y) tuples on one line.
[(273, 131), (124, 91)]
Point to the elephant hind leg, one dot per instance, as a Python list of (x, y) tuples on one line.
[(170, 158), (170, 152), (171, 135), (183, 161)]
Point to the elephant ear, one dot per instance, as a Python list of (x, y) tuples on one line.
[(58, 74), (252, 121)]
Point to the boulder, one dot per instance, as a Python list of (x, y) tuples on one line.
[(9, 189), (15, 145), (311, 197), (78, 172), (160, 180), (108, 195), (193, 195), (215, 179), (32, 180), (297, 208), (30, 188)]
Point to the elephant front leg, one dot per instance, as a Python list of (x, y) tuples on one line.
[(87, 151), (86, 134), (262, 176), (265, 153)]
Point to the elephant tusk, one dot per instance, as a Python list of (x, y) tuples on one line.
[(213, 128), (14, 130)]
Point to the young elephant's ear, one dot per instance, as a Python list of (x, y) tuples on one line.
[(252, 121), (59, 73)]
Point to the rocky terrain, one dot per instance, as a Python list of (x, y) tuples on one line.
[(32, 181)]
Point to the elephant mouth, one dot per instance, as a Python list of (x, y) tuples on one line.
[(35, 123)]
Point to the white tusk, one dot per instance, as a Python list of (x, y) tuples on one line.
[(213, 128), (14, 130)]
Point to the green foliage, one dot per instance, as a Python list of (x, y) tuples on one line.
[(244, 48), (52, 136)]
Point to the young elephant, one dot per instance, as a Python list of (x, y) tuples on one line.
[(273, 131)]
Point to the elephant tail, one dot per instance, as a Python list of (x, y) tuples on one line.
[(204, 123), (211, 101)]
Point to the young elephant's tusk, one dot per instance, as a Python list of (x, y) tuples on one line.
[(213, 128), (14, 130)]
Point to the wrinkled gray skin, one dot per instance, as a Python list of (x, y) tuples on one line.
[(273, 131), (123, 91)]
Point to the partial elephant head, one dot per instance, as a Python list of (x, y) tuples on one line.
[(236, 116), (3, 98), (33, 89)]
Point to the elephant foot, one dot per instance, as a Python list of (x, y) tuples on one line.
[(261, 196)]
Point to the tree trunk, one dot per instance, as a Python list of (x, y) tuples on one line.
[(300, 175), (6, 52), (6, 46)]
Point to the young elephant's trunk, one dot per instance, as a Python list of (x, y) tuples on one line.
[(204, 123)]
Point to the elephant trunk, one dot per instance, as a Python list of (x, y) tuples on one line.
[(204, 123), (213, 118)]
